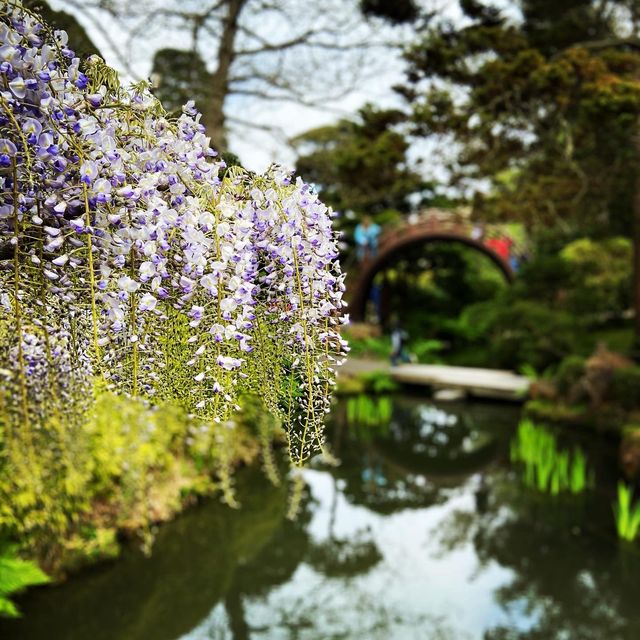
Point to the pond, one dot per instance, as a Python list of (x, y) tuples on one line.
[(426, 530)]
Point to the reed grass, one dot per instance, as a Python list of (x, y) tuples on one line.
[(367, 411), (547, 468), (626, 513)]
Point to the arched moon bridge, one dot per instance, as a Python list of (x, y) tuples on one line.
[(434, 225)]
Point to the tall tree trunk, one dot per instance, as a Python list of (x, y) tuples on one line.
[(636, 257), (635, 235), (237, 616), (214, 119)]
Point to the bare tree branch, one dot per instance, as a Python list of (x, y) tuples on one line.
[(262, 50), (82, 7), (280, 46)]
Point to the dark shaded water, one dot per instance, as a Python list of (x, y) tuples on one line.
[(425, 531)]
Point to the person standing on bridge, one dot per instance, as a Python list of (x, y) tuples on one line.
[(477, 233), (399, 339), (366, 237), (501, 244)]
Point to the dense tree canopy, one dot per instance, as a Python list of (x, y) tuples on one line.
[(362, 165), (542, 107)]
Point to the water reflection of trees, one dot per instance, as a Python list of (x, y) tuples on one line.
[(195, 564), (316, 608), (407, 462), (322, 617), (567, 585), (235, 574)]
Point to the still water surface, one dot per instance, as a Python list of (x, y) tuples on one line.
[(425, 531)]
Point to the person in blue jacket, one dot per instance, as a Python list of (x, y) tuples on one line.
[(366, 237)]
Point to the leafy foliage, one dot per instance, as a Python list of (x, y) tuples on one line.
[(543, 108), (15, 575), (128, 464), (361, 165), (527, 332), (599, 275), (442, 277), (562, 303)]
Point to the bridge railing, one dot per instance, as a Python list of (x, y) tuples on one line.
[(433, 221)]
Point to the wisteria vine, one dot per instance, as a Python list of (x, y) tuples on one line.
[(131, 257)]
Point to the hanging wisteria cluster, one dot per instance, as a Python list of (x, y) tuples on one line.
[(131, 257)]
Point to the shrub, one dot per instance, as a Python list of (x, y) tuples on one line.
[(129, 439), (542, 278), (476, 320), (122, 447), (600, 275), (526, 332), (625, 388), (570, 371)]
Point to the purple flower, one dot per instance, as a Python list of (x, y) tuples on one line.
[(88, 171), (32, 128), (7, 148), (196, 312), (81, 81), (168, 239)]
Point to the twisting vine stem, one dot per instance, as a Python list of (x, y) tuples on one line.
[(92, 277)]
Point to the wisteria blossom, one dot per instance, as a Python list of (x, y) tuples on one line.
[(130, 253)]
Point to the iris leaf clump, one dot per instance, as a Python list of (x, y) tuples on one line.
[(627, 513), (548, 468)]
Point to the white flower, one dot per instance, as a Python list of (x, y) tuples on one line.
[(147, 269), (148, 302), (125, 283)]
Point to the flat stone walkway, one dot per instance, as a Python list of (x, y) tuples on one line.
[(355, 366)]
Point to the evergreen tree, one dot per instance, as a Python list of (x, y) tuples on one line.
[(362, 165), (544, 107)]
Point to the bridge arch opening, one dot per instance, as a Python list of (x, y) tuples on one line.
[(406, 244)]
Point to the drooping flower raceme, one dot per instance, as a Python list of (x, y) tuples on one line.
[(130, 253)]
